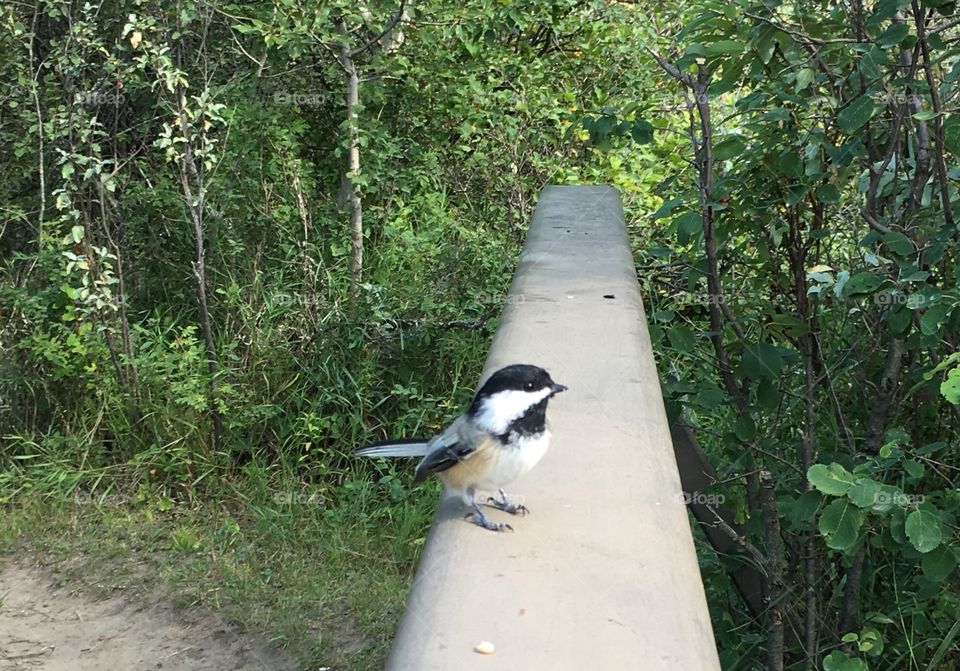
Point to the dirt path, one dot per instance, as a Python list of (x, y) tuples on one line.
[(47, 627)]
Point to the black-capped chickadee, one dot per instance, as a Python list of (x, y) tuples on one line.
[(501, 436)]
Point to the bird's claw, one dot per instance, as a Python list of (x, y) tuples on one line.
[(503, 503), (482, 520), (507, 507)]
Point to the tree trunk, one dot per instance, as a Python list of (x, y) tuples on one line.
[(353, 163), (775, 556), (188, 172)]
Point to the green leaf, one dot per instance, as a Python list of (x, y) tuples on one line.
[(895, 34), (899, 243), (840, 524), (864, 492), (837, 661), (939, 563), (790, 164), (76, 233), (915, 276), (950, 387), (805, 507), (723, 47), (855, 114), (828, 193), (882, 10), (897, 519), (925, 296), (935, 40), (600, 129), (666, 208), (923, 528), (871, 641), (777, 114), (913, 467), (732, 74), (766, 44), (870, 63), (886, 498), (899, 318), (729, 147), (879, 618), (804, 78), (688, 224), (642, 131), (744, 427), (709, 398), (795, 194), (762, 361), (682, 339), (863, 282), (768, 394), (834, 479), (933, 318), (70, 292), (951, 134), (931, 448)]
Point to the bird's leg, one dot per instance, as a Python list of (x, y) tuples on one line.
[(481, 520), (503, 503)]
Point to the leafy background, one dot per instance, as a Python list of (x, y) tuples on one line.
[(186, 318)]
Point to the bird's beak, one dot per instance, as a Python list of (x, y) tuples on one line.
[(557, 388)]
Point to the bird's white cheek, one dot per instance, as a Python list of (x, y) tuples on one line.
[(505, 406)]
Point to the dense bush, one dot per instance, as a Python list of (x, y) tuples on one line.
[(210, 259)]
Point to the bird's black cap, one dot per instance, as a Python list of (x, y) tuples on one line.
[(518, 377)]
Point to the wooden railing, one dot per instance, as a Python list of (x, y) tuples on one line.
[(602, 574)]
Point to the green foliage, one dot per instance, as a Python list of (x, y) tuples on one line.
[(155, 153), (822, 349), (824, 353)]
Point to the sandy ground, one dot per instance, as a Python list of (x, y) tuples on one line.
[(53, 628)]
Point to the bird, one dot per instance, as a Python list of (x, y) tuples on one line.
[(501, 436)]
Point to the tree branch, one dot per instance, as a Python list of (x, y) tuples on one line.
[(391, 24)]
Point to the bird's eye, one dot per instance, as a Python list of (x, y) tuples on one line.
[(528, 386)]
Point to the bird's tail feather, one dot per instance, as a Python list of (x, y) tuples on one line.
[(414, 447)]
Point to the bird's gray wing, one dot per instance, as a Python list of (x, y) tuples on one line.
[(452, 446)]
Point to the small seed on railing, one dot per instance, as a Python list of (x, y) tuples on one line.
[(484, 648)]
